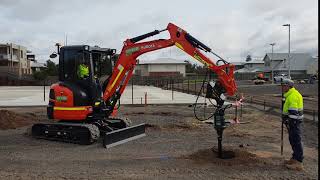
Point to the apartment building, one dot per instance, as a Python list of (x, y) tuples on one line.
[(13, 59)]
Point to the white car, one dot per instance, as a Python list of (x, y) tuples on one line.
[(280, 78)]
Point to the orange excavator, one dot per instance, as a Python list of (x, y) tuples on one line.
[(83, 108)]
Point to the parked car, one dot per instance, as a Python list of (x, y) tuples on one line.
[(281, 77)]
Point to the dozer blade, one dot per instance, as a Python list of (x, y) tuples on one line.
[(124, 135)]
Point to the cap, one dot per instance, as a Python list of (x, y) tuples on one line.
[(288, 82)]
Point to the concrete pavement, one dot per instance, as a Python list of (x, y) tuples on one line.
[(34, 96)]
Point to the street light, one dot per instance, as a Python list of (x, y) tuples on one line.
[(289, 51), (272, 44)]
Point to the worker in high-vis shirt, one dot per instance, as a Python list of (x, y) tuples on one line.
[(83, 71), (292, 115)]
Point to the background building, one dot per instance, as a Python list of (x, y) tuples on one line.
[(299, 64), (313, 67), (238, 65), (252, 66), (13, 59), (161, 67), (36, 66)]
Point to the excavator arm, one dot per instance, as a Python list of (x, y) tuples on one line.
[(132, 48)]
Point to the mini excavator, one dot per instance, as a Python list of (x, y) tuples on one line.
[(84, 108)]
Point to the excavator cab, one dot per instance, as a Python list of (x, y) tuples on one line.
[(84, 70)]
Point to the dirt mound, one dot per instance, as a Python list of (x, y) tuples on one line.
[(241, 157), (11, 120)]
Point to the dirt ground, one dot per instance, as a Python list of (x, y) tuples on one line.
[(177, 146)]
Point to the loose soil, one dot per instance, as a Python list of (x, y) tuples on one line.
[(12, 120), (177, 146)]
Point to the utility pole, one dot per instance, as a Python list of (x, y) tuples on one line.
[(288, 51), (272, 44)]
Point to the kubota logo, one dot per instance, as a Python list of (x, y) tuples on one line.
[(148, 46)]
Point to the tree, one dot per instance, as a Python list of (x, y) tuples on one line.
[(40, 75), (248, 58), (52, 68), (190, 68)]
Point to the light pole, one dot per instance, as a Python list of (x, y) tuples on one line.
[(272, 44), (289, 51)]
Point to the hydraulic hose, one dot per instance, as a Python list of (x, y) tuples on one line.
[(199, 93)]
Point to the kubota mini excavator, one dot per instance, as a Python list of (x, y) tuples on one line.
[(83, 107)]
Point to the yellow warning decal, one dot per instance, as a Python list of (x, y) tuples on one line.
[(70, 108), (120, 67), (197, 57), (178, 45)]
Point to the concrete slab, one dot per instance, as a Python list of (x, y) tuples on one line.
[(33, 96)]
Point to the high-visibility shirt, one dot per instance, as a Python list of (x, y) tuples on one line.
[(293, 106), (83, 71)]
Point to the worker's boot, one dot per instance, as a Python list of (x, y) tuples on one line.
[(290, 161), (295, 165)]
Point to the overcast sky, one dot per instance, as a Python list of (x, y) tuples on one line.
[(233, 28)]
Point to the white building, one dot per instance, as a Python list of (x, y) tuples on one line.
[(313, 67), (161, 67), (36, 66), (252, 66)]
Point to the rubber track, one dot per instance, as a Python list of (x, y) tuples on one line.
[(66, 132)]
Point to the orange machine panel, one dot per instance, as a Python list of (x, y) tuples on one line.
[(64, 108)]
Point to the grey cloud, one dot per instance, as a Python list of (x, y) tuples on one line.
[(234, 32)]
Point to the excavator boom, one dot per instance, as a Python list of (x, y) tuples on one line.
[(132, 48)]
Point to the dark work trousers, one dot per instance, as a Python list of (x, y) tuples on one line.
[(295, 133)]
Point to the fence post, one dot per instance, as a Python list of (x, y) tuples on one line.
[(132, 89), (236, 113), (172, 82), (195, 86), (145, 98), (236, 109), (44, 90), (188, 86), (241, 111)]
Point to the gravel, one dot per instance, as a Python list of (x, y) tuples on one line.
[(177, 146)]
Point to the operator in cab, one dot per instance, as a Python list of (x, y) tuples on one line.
[(83, 70)]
